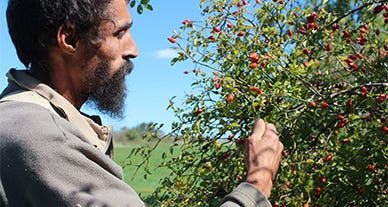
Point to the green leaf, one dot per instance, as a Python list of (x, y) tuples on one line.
[(139, 9), (309, 161), (149, 7), (132, 4)]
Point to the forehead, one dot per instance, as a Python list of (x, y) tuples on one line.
[(118, 15)]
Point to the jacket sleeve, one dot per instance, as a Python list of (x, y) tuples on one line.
[(246, 195), (45, 163)]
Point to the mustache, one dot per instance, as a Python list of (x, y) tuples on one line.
[(128, 67)]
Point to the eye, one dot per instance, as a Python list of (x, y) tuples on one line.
[(121, 33)]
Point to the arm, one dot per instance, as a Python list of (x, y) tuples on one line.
[(262, 157)]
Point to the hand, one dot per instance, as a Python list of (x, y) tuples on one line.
[(263, 152)]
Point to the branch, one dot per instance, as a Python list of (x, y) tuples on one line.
[(357, 87), (354, 10)]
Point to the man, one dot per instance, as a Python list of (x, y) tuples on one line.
[(51, 154)]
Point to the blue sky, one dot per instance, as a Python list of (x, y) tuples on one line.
[(154, 81)]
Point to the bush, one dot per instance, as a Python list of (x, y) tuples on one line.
[(319, 74)]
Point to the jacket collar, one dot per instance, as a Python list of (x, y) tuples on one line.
[(98, 135)]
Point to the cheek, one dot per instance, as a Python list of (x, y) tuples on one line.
[(113, 59)]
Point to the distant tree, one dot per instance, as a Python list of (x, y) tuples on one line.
[(139, 133)]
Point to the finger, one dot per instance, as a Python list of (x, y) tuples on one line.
[(258, 130), (272, 128)]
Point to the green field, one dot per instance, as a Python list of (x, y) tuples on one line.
[(142, 186)]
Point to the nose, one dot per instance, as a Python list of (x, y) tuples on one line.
[(130, 48)]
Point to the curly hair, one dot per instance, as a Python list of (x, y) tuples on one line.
[(33, 24)]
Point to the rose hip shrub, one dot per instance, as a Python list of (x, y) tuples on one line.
[(319, 74)]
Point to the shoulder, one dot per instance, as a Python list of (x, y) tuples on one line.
[(19, 118), (27, 125)]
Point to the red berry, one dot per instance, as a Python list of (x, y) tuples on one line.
[(226, 156), (253, 65), (254, 57), (186, 21), (340, 117), (229, 25), (230, 98), (253, 88), (346, 140), (302, 30), (384, 128), (328, 157), (318, 190), (378, 9), (216, 29), (241, 33), (346, 33), (328, 47), (212, 38), (353, 57), (322, 180), (348, 60), (172, 40), (349, 103), (312, 104), (218, 85), (371, 167), (341, 125), (381, 98), (324, 105), (289, 32), (364, 89), (353, 66), (306, 51), (199, 111)]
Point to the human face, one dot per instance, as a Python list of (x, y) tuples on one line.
[(104, 77)]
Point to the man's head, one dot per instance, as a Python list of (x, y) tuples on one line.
[(82, 46), (33, 24)]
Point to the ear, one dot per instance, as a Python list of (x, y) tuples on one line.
[(66, 39)]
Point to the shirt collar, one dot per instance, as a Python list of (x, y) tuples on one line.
[(98, 135)]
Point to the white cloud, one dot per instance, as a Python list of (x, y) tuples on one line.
[(165, 54)]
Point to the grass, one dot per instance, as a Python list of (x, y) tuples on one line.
[(143, 186)]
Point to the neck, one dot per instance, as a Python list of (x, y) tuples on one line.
[(61, 82)]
